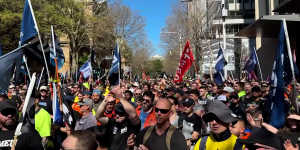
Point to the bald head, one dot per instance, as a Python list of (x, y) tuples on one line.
[(164, 102)]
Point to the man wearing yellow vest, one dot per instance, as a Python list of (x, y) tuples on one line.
[(219, 118)]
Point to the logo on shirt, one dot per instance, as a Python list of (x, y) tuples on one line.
[(6, 143)]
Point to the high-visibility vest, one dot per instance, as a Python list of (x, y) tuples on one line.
[(150, 120), (209, 143)]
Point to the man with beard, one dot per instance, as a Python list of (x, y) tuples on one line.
[(8, 124), (124, 124), (146, 112), (162, 136)]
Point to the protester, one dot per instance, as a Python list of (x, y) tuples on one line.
[(8, 124), (219, 118), (125, 123), (146, 111), (162, 136), (87, 119)]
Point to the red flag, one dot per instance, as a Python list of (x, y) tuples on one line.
[(185, 62)]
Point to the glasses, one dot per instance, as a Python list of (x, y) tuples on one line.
[(163, 111)]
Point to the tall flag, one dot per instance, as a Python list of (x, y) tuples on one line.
[(28, 26), (57, 116), (86, 69), (58, 53), (186, 61), (114, 72), (220, 64), (8, 63), (251, 64), (278, 108)]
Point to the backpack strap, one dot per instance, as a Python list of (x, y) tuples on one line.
[(202, 145), (147, 134), (238, 146), (169, 136)]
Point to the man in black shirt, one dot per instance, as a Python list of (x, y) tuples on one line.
[(8, 124), (162, 136), (124, 124), (190, 123)]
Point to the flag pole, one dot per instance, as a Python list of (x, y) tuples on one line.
[(261, 77), (288, 45), (287, 39), (26, 65), (42, 46), (40, 78), (26, 102)]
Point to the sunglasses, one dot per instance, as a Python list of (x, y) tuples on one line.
[(186, 105), (163, 111)]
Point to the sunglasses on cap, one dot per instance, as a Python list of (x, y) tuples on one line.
[(163, 111)]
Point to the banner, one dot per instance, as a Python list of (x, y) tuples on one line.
[(185, 62)]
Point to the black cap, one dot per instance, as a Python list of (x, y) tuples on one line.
[(255, 89), (119, 109), (188, 102), (6, 105)]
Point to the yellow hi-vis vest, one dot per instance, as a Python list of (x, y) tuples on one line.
[(212, 144)]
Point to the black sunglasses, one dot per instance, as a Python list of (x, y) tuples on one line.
[(163, 111)]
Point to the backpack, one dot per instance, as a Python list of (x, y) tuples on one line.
[(168, 137)]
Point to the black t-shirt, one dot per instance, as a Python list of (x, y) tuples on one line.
[(28, 141), (190, 124), (119, 133), (6, 139), (156, 142)]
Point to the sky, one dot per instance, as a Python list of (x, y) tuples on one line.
[(155, 13)]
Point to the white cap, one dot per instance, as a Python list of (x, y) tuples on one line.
[(228, 89), (43, 88)]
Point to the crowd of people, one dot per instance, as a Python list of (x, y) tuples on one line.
[(152, 115)]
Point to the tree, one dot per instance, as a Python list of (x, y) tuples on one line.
[(173, 37)]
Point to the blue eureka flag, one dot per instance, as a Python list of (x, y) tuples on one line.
[(220, 64), (251, 62), (114, 72), (60, 57), (28, 26), (278, 106), (57, 115), (86, 69)]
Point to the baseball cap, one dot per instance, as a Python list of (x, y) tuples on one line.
[(228, 89), (217, 109), (11, 86), (86, 101), (43, 88), (119, 109), (7, 105), (97, 91), (188, 102)]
